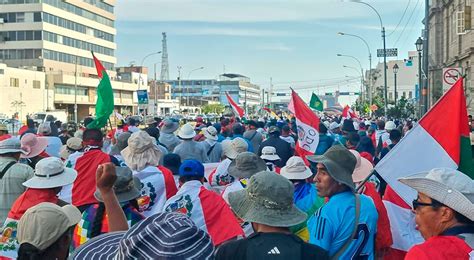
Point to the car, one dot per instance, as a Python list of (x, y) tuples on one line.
[(191, 116)]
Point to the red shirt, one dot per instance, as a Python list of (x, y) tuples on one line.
[(30, 198), (440, 248)]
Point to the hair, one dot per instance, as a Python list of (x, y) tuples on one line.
[(185, 179), (28, 251), (353, 138), (97, 223), (381, 124), (285, 128), (366, 145), (395, 135), (88, 120), (261, 124), (323, 129), (237, 129), (92, 134)]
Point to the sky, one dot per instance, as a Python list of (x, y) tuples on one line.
[(293, 42)]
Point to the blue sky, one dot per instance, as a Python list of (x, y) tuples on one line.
[(294, 42)]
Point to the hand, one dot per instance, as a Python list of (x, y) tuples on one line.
[(105, 177)]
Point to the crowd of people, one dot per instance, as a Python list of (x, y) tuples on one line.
[(233, 189)]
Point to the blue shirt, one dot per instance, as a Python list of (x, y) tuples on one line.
[(332, 225)]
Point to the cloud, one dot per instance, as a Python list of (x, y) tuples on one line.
[(274, 47)]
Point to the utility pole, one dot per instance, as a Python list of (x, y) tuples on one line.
[(425, 70), (179, 87), (245, 101), (271, 92), (75, 92), (154, 86), (385, 72)]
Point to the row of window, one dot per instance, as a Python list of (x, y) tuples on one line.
[(15, 82), (123, 94), (100, 4), (70, 90), (20, 36), (68, 58), (6, 2), (20, 54), (21, 17), (52, 37), (61, 4)]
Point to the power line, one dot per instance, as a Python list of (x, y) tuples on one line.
[(300, 81), (401, 19), (408, 21)]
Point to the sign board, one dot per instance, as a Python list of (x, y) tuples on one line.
[(142, 96), (450, 76), (392, 52), (282, 94)]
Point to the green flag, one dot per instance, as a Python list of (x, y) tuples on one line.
[(105, 97), (316, 103)]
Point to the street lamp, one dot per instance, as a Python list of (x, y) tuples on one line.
[(141, 71), (187, 89), (395, 71), (361, 73), (419, 49)]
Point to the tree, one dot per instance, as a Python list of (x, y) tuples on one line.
[(213, 108)]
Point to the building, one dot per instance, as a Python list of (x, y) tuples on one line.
[(450, 46)]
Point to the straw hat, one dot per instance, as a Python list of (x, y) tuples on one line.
[(362, 169), (269, 153), (295, 169), (141, 151), (245, 165), (32, 145), (210, 133), (51, 173), (232, 148), (186, 132)]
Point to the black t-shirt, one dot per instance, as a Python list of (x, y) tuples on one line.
[(270, 246)]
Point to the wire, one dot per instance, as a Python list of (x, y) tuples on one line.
[(401, 19), (408, 21)]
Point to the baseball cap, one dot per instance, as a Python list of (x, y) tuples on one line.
[(43, 224), (191, 168)]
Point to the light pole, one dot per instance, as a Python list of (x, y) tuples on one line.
[(140, 74), (179, 87), (384, 52), (187, 89), (361, 73), (395, 71), (419, 49), (369, 86)]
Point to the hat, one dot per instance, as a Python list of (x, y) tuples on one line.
[(356, 126), (269, 153), (172, 161), (295, 169), (245, 165), (348, 126), (49, 222), (232, 148), (334, 125), (339, 162), (390, 125), (32, 145), (191, 168), (72, 145), (367, 123), (268, 199), (210, 133), (186, 132), (126, 186), (273, 129), (122, 143), (51, 173), (11, 145), (169, 126), (44, 128), (252, 123), (161, 236), (199, 119), (448, 186), (3, 127), (362, 169), (150, 120), (141, 151)]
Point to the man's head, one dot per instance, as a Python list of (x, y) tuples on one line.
[(88, 120), (395, 136), (274, 131), (44, 129), (352, 140), (92, 137), (237, 129), (30, 123), (380, 125), (191, 170), (252, 124), (285, 130)]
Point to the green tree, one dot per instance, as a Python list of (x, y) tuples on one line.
[(213, 108)]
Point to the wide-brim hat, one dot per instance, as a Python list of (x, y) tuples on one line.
[(51, 173), (11, 145), (126, 187), (32, 145), (268, 200), (448, 186), (141, 151), (362, 169), (169, 126), (245, 165), (295, 169), (150, 120), (339, 162), (210, 133), (269, 153), (186, 132), (232, 148)]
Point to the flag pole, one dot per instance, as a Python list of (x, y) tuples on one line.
[(365, 180)]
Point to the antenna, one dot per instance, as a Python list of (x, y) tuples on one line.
[(165, 70)]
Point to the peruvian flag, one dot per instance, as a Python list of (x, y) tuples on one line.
[(348, 113), (441, 139), (308, 127), (237, 110), (207, 210)]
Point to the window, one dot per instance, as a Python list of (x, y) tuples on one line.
[(410, 94), (2, 71), (14, 82), (36, 84), (459, 18)]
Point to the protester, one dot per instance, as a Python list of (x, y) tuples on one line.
[(238, 132), (286, 135), (30, 128), (267, 203), (220, 137), (395, 137), (283, 148), (172, 162), (167, 137), (4, 132), (211, 146), (230, 150), (121, 143), (133, 125), (325, 140), (152, 128), (64, 135), (12, 175), (34, 147), (54, 143), (335, 225), (207, 209), (73, 145), (271, 158), (381, 135), (190, 149), (252, 135)]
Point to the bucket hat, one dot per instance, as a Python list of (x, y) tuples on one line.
[(122, 143), (72, 145), (210, 133), (44, 128), (448, 186), (186, 132), (150, 120), (141, 151), (49, 222), (11, 145), (390, 125), (32, 145), (245, 165), (295, 169), (268, 199), (161, 236), (363, 167), (269, 153), (51, 173), (339, 162), (169, 126), (232, 148), (126, 186)]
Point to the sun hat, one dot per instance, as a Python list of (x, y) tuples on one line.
[(334, 125), (51, 172), (44, 128), (3, 127), (448, 186), (390, 125), (295, 169), (339, 162), (273, 129), (362, 169), (72, 145), (122, 143), (169, 126), (11, 145), (141, 151), (232, 148), (32, 145), (269, 153), (150, 120), (268, 199), (191, 168), (210, 133), (245, 165), (172, 161), (49, 222), (162, 236), (186, 132), (126, 187)]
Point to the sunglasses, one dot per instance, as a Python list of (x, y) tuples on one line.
[(417, 204)]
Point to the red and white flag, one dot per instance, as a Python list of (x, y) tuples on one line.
[(441, 139), (348, 113), (237, 110), (307, 123)]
